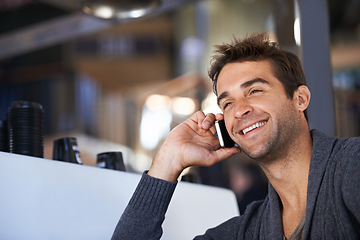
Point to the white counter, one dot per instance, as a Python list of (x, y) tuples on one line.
[(47, 199)]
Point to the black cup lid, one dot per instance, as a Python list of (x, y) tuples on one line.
[(25, 104)]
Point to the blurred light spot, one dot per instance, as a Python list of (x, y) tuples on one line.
[(183, 106), (132, 14), (297, 33), (157, 102), (297, 26), (156, 121), (104, 12), (209, 104)]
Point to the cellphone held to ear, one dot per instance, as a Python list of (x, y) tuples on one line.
[(223, 136)]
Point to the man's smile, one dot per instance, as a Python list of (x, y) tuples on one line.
[(252, 127)]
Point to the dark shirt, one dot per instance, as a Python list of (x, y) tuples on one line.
[(332, 210)]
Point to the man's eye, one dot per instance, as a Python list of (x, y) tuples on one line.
[(226, 105), (254, 91)]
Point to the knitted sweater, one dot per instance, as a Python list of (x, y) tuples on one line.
[(332, 210)]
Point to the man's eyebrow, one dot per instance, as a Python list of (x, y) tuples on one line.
[(253, 81), (244, 85), (221, 96)]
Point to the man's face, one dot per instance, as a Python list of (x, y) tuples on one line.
[(258, 114)]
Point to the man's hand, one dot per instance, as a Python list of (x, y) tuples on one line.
[(192, 143)]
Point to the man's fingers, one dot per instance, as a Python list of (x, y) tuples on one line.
[(223, 153), (219, 116), (208, 121)]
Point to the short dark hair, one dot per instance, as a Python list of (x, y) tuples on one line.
[(287, 66)]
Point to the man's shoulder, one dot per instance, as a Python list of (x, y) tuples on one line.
[(348, 145), (345, 154), (350, 140), (338, 144)]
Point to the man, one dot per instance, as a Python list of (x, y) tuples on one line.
[(314, 180)]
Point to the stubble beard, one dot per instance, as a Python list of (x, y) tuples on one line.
[(281, 141)]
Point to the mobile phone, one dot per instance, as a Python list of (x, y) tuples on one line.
[(223, 136)]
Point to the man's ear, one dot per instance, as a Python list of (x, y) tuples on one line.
[(302, 98)]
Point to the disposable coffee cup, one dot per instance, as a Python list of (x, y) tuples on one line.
[(66, 149), (4, 136), (111, 160), (25, 128)]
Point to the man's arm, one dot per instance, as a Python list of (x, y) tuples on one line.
[(192, 143), (145, 212)]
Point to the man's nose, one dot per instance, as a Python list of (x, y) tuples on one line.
[(242, 109)]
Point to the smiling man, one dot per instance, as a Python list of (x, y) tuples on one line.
[(314, 180)]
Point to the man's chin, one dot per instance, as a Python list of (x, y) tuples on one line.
[(258, 154), (255, 155)]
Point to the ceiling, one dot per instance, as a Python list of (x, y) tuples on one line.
[(27, 25)]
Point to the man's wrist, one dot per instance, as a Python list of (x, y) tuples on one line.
[(163, 173), (163, 167)]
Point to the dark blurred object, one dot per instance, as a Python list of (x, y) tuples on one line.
[(257, 188), (66, 149), (4, 136), (246, 180), (191, 177), (111, 160), (344, 15), (240, 174), (25, 125)]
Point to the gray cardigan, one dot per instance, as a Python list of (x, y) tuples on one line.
[(332, 211)]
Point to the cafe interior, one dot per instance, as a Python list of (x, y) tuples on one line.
[(119, 75)]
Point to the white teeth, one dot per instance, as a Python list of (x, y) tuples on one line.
[(255, 125)]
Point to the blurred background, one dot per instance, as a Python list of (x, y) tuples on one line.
[(122, 81)]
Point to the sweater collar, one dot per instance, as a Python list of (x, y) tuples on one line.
[(322, 149)]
